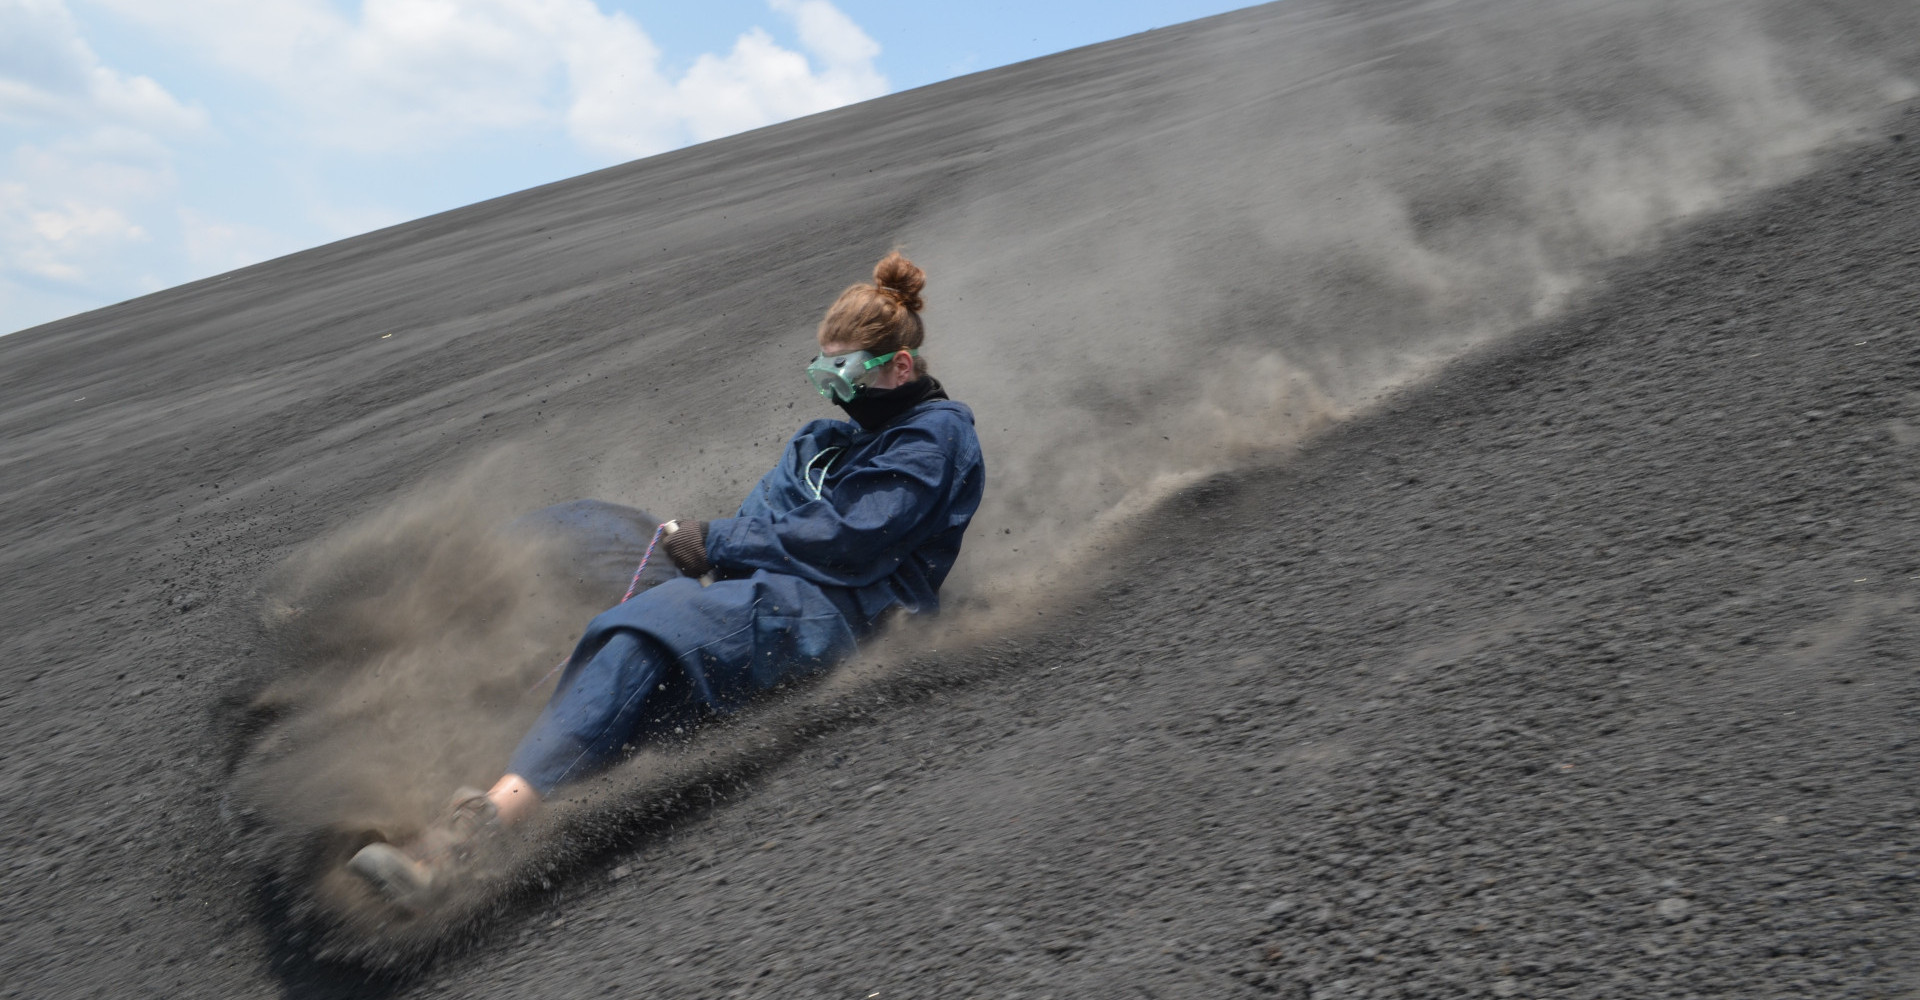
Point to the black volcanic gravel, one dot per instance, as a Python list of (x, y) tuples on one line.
[(1588, 670)]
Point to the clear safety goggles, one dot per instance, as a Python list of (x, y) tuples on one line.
[(842, 376)]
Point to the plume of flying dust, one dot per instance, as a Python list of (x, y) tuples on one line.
[(404, 647), (1175, 300), (409, 650), (409, 653), (1127, 315)]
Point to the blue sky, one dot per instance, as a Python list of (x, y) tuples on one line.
[(144, 143)]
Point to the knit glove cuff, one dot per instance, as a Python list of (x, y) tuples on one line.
[(687, 547)]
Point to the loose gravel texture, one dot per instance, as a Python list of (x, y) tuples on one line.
[(1588, 670)]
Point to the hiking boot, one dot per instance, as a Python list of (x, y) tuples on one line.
[(415, 874)]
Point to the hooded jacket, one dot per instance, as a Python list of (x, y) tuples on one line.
[(848, 524)]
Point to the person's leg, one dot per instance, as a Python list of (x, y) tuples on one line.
[(594, 710), (514, 798)]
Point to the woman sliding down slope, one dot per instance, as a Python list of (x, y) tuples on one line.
[(854, 520)]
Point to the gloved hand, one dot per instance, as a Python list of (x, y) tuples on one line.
[(686, 545)]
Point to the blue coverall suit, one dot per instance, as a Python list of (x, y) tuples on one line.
[(848, 524)]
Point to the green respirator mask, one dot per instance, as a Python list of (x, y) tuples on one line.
[(842, 376)]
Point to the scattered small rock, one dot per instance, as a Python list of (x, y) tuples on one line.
[(1673, 909)]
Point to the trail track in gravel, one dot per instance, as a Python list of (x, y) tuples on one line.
[(1583, 668), (1587, 670)]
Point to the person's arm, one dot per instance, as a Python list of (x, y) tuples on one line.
[(858, 533)]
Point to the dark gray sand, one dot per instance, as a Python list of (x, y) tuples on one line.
[(1582, 666)]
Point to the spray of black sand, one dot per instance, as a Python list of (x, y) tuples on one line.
[(1242, 273), (400, 653), (1229, 279), (405, 655)]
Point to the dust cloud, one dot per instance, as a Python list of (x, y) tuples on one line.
[(1157, 304), (403, 656), (1126, 311)]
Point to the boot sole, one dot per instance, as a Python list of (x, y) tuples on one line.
[(396, 877)]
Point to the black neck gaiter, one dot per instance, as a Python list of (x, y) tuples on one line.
[(873, 409)]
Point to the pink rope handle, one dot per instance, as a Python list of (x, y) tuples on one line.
[(624, 598), (642, 568)]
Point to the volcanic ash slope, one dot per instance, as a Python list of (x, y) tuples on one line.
[(1588, 670)]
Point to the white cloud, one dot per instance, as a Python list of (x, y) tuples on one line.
[(830, 35), (407, 75), (49, 75), (87, 153), (759, 82), (91, 208), (50, 239), (67, 208)]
